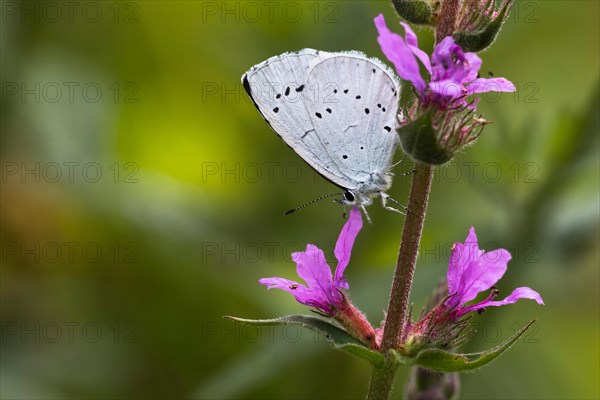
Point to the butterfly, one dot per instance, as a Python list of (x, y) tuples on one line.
[(338, 111)]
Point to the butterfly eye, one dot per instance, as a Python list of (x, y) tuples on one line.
[(349, 196)]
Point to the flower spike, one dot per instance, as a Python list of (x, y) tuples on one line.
[(471, 271), (434, 126)]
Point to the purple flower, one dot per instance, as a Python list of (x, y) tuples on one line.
[(323, 290), (472, 271), (441, 120), (453, 74)]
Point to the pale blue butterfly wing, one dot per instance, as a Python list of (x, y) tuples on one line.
[(338, 111), (278, 88), (355, 117)]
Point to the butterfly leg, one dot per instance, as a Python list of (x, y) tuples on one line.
[(345, 215), (366, 213), (385, 197)]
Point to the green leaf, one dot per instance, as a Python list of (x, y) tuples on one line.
[(444, 361), (361, 351), (483, 38), (339, 338), (414, 11)]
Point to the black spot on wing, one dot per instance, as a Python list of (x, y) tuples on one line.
[(300, 88), (287, 91), (318, 115), (328, 110), (387, 128), (367, 111), (276, 110), (247, 88), (358, 97)]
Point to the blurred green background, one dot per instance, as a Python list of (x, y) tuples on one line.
[(143, 197)]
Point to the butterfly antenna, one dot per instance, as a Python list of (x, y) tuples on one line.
[(402, 174), (288, 212), (399, 162)]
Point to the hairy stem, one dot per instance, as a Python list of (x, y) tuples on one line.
[(382, 378), (448, 16), (407, 256)]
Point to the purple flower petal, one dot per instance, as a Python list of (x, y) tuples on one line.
[(449, 60), (321, 290), (483, 85), (459, 260), (411, 41), (442, 63), (399, 53), (301, 293), (453, 73), (283, 284), (450, 63), (448, 88), (312, 266), (518, 293), (474, 63), (472, 271), (482, 274), (345, 242), (466, 66)]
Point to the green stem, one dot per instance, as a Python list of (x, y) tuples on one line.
[(407, 256), (382, 378)]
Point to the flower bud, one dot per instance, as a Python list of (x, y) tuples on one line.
[(355, 323), (419, 140), (433, 136), (424, 384), (420, 12), (479, 24), (436, 328)]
